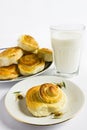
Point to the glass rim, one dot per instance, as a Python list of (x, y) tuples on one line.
[(68, 27)]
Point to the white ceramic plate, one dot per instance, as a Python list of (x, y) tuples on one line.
[(17, 108), (47, 65)]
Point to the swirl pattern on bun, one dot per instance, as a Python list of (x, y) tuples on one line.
[(45, 99), (30, 64), (50, 93)]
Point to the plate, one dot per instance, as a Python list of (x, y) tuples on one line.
[(18, 110), (47, 65)]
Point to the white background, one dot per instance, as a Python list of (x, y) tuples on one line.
[(34, 17)]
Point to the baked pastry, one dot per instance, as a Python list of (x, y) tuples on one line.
[(46, 54), (9, 72), (30, 64), (45, 99), (10, 56), (28, 43)]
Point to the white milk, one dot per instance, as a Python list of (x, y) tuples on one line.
[(66, 48)]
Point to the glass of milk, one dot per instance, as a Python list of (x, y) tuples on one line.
[(66, 41)]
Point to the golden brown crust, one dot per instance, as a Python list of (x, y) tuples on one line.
[(28, 43), (44, 99), (46, 54), (29, 59), (32, 95), (30, 64), (50, 93), (10, 56), (9, 72), (45, 50), (10, 52)]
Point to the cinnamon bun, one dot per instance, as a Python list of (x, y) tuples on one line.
[(9, 72), (10, 56), (30, 64), (45, 99), (46, 54), (28, 43)]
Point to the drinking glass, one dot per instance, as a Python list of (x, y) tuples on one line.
[(67, 42)]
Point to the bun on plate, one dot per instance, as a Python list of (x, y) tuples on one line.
[(10, 56), (46, 54), (9, 72), (30, 64), (28, 43), (45, 99)]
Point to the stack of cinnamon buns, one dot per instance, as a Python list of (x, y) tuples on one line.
[(26, 58)]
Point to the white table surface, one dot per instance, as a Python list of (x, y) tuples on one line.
[(34, 17)]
